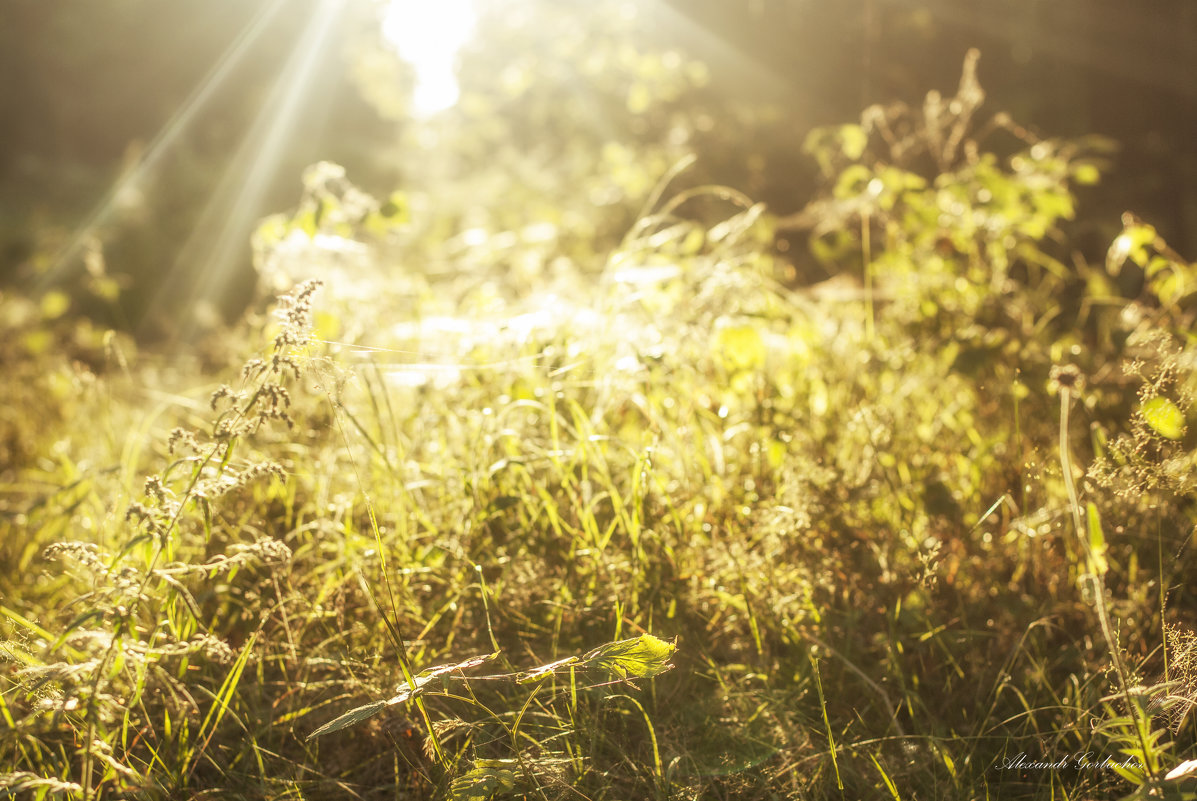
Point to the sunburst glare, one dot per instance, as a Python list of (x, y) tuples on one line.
[(428, 36)]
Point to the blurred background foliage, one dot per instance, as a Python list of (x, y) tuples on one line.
[(566, 108)]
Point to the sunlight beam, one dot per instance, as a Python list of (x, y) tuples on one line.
[(158, 147), (231, 212)]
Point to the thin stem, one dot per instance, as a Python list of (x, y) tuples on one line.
[(866, 243), (1095, 576)]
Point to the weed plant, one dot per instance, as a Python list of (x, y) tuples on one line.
[(448, 537)]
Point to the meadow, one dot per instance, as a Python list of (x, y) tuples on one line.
[(488, 515)]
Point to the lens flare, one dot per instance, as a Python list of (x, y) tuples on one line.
[(428, 36)]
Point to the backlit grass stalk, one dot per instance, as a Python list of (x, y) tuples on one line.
[(814, 663), (390, 620), (268, 401), (1068, 379)]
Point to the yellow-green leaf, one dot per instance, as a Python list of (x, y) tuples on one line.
[(852, 181), (740, 347), (1164, 417), (854, 141), (350, 718), (1086, 174), (54, 304), (481, 783), (637, 658), (272, 230)]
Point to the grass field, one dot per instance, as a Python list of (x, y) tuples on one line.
[(665, 525)]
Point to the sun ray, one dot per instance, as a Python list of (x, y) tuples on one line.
[(224, 227), (65, 260)]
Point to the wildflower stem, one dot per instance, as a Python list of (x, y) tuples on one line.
[(1095, 577)]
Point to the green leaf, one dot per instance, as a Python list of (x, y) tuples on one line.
[(482, 783), (395, 209), (638, 658), (948, 762), (852, 182), (740, 347), (350, 718), (227, 691), (1169, 288), (1130, 774), (325, 206), (306, 221), (54, 304), (1086, 174), (889, 784), (273, 229), (693, 243), (1164, 417), (899, 180), (1131, 244), (853, 140), (1157, 265)]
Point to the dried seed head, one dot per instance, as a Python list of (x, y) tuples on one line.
[(181, 438), (224, 391), (85, 554), (155, 489), (1066, 378), (213, 649)]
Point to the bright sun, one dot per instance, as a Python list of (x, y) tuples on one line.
[(428, 35)]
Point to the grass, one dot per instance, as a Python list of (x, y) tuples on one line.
[(679, 530)]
